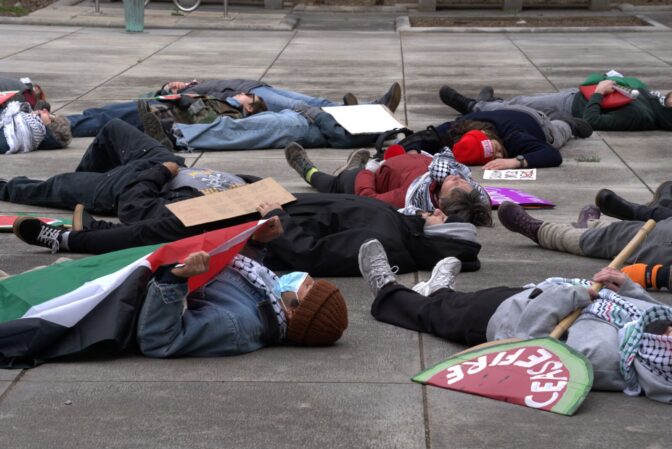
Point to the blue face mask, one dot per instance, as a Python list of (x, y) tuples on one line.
[(289, 283), (233, 102)]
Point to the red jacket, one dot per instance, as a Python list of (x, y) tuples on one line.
[(391, 181)]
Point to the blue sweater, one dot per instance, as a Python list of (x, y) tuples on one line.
[(521, 135)]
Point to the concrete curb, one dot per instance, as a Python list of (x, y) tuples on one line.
[(403, 25), (63, 15)]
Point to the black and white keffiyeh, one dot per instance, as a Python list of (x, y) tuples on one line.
[(23, 130), (419, 195), (264, 280)]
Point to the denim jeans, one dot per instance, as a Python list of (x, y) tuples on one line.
[(279, 99), (89, 122), (113, 159), (263, 130), (270, 130), (222, 319)]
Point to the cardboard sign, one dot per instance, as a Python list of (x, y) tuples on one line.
[(229, 204), (500, 194), (364, 118), (525, 174)]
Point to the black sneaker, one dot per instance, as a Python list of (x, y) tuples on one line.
[(32, 231), (613, 205), (349, 99), (514, 218), (486, 94), (455, 100), (663, 192), (153, 125), (297, 158), (391, 98)]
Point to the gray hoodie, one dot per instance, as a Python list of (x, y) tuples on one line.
[(522, 317)]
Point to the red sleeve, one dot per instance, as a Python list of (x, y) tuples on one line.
[(365, 185)]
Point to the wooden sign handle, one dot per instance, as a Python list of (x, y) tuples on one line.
[(617, 263)]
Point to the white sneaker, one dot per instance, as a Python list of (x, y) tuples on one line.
[(374, 266), (443, 276)]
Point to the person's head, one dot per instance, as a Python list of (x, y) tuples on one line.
[(316, 311), (477, 148), (454, 182), (251, 103), (467, 206), (59, 127), (433, 218)]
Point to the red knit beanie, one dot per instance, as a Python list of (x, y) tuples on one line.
[(474, 148)]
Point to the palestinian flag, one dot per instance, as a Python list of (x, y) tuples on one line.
[(70, 307)]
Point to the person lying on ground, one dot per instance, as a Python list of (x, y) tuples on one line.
[(22, 132), (649, 111), (639, 364), (511, 137), (410, 182), (589, 236), (232, 95), (261, 309), (322, 232)]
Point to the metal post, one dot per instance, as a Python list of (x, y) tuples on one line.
[(226, 9), (96, 4)]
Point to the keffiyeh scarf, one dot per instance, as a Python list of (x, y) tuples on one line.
[(263, 280), (23, 130)]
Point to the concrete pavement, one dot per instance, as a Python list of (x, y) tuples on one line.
[(358, 393)]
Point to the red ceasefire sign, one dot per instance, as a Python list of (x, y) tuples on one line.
[(542, 373)]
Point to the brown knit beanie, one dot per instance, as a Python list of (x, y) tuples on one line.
[(60, 128), (320, 318)]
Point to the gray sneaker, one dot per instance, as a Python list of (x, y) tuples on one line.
[(297, 158), (443, 276), (374, 266), (356, 159)]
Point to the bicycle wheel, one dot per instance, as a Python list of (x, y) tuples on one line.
[(187, 5)]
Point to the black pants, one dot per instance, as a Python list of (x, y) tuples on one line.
[(114, 158), (456, 316), (658, 212), (343, 183)]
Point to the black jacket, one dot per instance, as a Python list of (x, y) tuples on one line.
[(323, 233)]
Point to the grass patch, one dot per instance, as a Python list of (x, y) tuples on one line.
[(12, 10), (588, 158)]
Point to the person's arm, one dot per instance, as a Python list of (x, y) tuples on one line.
[(140, 199), (166, 326), (605, 120), (365, 185), (537, 154)]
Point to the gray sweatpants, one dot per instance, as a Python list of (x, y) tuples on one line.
[(605, 240)]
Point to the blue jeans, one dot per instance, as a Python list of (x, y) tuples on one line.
[(279, 99), (89, 122), (220, 320), (113, 159), (269, 130)]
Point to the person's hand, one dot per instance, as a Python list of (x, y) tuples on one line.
[(193, 265), (172, 167), (605, 87), (610, 278), (44, 115), (502, 164), (264, 208), (269, 230), (668, 331), (175, 86)]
